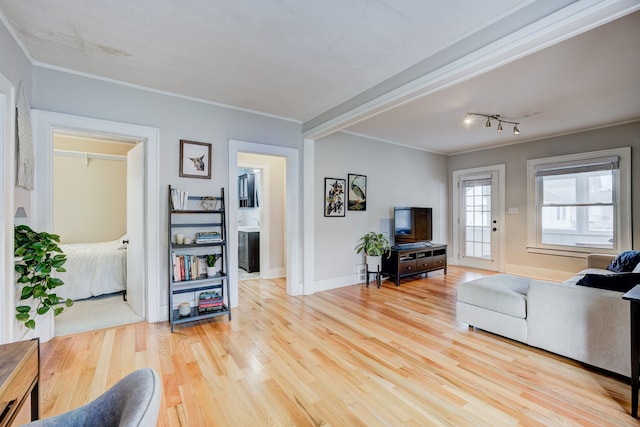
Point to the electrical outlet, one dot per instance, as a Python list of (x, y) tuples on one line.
[(361, 272)]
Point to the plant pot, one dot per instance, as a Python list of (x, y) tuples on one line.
[(211, 271), (374, 263)]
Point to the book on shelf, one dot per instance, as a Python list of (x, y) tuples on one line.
[(179, 199), (210, 301), (208, 237), (188, 267)]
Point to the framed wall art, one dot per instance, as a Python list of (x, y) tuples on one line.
[(195, 159), (334, 196), (357, 192)]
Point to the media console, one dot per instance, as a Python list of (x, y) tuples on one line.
[(409, 261)]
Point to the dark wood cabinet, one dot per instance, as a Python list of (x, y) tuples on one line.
[(246, 190), (408, 262), (19, 379), (249, 251)]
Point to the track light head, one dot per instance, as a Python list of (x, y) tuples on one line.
[(497, 117)]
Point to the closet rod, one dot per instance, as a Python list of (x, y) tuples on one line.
[(84, 155)]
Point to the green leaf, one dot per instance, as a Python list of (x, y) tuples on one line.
[(31, 324), (43, 309), (53, 282), (68, 302), (23, 309), (58, 310), (27, 292), (22, 317), (39, 291)]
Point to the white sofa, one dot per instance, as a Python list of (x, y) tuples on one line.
[(586, 324)]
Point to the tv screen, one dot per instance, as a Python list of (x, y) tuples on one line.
[(412, 225)]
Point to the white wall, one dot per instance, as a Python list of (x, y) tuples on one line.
[(395, 176), (515, 157), (90, 201), (14, 68), (177, 118)]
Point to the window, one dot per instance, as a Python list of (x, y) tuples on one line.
[(580, 203)]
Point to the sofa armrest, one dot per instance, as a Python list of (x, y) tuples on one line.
[(599, 260)]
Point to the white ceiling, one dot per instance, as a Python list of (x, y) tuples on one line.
[(395, 70)]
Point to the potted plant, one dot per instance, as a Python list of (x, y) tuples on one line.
[(211, 264), (37, 256), (374, 245)]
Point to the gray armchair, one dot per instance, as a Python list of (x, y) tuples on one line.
[(133, 401)]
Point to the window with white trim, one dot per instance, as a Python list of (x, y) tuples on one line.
[(580, 203)]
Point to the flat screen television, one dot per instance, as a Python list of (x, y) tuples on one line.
[(412, 225)]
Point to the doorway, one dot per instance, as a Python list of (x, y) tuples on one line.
[(291, 214), (478, 204), (45, 123), (97, 210), (261, 225)]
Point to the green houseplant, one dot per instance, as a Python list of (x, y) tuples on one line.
[(374, 245), (37, 256), (211, 264)]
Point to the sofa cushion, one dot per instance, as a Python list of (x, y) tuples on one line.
[(616, 282), (625, 262), (502, 293)]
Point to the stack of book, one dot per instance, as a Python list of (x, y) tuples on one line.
[(208, 237), (179, 199), (210, 301)]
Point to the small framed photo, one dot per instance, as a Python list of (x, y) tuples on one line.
[(334, 196), (195, 159), (357, 192)]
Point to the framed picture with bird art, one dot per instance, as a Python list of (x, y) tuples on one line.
[(357, 194), (334, 196)]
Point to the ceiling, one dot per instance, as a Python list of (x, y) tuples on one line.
[(400, 71)]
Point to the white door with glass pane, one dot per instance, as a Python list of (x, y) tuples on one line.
[(478, 233)]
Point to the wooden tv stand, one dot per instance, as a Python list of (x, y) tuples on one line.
[(416, 260)]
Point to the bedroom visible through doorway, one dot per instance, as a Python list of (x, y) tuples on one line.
[(90, 186)]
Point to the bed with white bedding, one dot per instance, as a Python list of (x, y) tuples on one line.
[(93, 269)]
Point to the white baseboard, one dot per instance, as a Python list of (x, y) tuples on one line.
[(337, 282), (274, 273)]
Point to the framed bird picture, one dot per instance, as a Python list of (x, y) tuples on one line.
[(357, 193), (334, 197)]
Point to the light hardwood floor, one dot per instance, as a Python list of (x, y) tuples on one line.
[(393, 356)]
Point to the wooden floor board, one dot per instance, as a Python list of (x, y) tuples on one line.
[(353, 356)]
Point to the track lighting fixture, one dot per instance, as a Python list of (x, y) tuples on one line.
[(496, 117)]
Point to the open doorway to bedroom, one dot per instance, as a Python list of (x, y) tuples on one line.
[(92, 182)]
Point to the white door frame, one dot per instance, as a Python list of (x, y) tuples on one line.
[(7, 208), (292, 213), (500, 171), (44, 124)]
